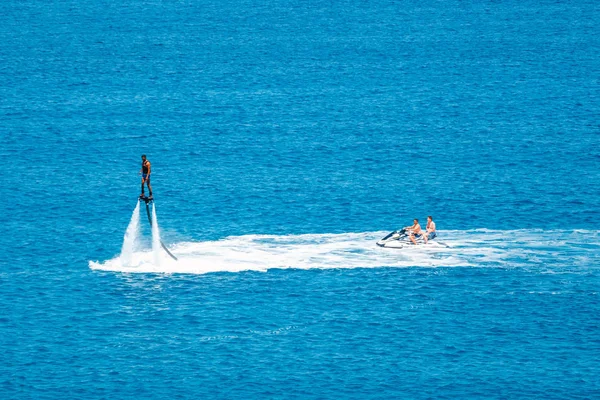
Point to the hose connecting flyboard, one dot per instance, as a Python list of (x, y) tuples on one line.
[(150, 220)]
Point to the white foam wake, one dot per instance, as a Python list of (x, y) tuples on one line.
[(492, 248)]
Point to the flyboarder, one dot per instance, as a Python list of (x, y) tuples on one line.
[(146, 171)]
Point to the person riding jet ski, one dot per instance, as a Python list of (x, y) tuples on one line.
[(410, 234)]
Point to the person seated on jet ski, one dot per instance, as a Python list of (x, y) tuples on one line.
[(414, 232), (429, 230)]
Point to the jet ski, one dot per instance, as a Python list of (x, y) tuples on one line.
[(400, 239)]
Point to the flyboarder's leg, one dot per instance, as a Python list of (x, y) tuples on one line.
[(149, 187)]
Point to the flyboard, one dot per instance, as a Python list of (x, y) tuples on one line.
[(148, 200)]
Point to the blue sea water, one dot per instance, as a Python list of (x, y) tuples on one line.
[(285, 138)]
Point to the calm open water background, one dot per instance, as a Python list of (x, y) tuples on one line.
[(285, 138)]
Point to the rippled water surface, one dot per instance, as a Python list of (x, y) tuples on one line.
[(286, 138)]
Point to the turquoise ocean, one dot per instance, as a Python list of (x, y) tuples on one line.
[(285, 139)]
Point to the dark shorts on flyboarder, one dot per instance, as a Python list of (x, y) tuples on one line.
[(146, 177)]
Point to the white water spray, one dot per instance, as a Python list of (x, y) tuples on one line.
[(130, 238), (156, 247), (550, 250)]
